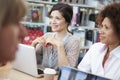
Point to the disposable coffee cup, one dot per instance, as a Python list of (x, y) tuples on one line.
[(49, 74)]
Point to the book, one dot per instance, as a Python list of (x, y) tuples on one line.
[(89, 37), (81, 33), (35, 15), (75, 15), (81, 1), (84, 17), (79, 17)]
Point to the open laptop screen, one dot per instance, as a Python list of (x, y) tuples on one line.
[(68, 73), (26, 61)]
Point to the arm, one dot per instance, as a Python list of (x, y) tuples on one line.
[(66, 56), (38, 43), (73, 49), (39, 40), (62, 58)]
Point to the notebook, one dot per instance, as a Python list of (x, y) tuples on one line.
[(69, 73), (26, 61)]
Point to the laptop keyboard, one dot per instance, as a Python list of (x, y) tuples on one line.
[(40, 71)]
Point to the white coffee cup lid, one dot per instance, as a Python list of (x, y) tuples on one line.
[(49, 71)]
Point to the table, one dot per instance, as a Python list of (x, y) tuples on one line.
[(17, 75)]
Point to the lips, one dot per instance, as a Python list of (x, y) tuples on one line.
[(102, 37), (54, 27)]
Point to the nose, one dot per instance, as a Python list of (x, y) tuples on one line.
[(101, 31), (52, 21)]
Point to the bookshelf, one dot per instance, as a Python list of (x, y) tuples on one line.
[(40, 8), (83, 23), (32, 23), (52, 3)]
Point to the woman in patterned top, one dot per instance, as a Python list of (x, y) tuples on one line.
[(60, 47)]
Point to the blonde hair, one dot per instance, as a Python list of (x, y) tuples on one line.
[(11, 11)]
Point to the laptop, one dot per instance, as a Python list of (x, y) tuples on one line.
[(26, 61), (69, 73)]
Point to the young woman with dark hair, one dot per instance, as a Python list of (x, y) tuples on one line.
[(59, 47)]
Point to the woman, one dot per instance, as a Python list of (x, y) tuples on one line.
[(103, 58), (59, 47), (11, 31)]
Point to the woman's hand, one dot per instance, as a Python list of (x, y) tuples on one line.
[(53, 41), (39, 40)]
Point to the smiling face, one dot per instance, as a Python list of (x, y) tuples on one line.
[(57, 21), (107, 33)]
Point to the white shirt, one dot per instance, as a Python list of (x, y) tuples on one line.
[(92, 62)]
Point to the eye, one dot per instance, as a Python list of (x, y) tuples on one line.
[(100, 26), (58, 18), (106, 27)]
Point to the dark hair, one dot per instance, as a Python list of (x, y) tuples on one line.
[(66, 11), (11, 11), (111, 11)]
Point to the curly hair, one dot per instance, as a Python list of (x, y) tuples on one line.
[(111, 11)]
